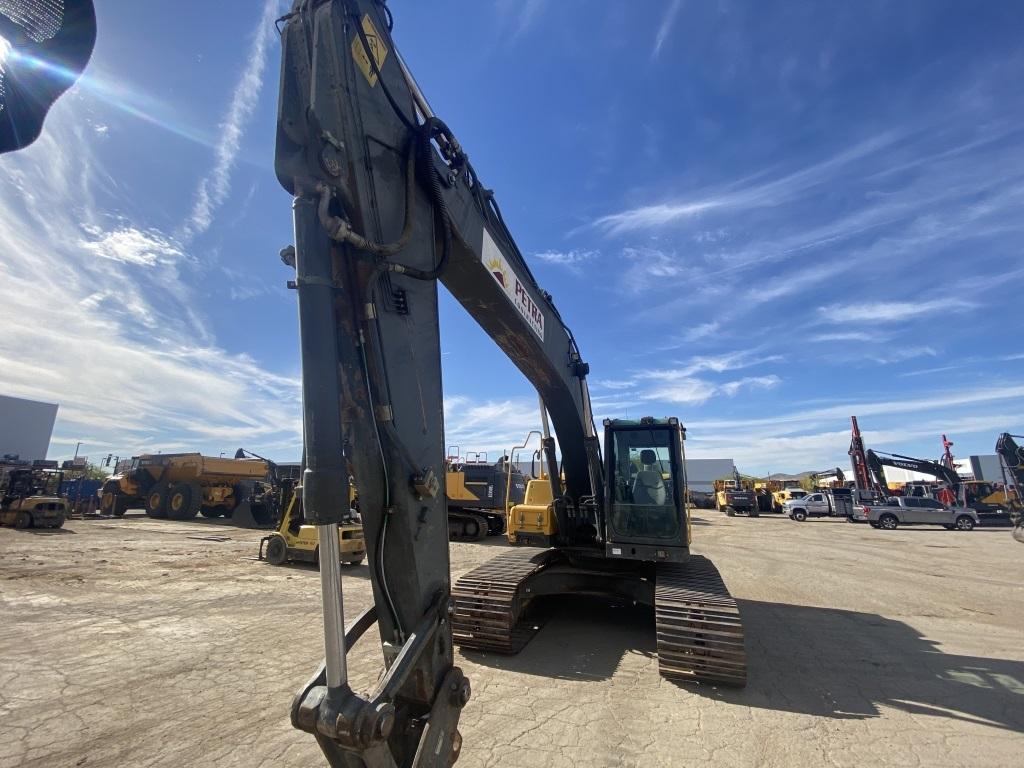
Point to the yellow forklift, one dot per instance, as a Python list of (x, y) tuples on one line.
[(295, 541)]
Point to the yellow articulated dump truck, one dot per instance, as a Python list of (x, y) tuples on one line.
[(178, 486)]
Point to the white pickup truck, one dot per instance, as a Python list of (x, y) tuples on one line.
[(836, 502), (913, 510)]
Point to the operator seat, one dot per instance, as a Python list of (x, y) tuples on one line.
[(648, 487)]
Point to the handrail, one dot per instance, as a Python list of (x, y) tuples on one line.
[(511, 462)]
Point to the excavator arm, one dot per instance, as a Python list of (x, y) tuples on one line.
[(877, 461), (386, 205)]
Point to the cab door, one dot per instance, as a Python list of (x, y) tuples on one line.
[(912, 511), (816, 504), (933, 511)]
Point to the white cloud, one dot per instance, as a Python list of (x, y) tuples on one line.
[(665, 28), (844, 336), (889, 311), (702, 331), (745, 194), (928, 371), (904, 354), (520, 15), (569, 259), (731, 388), (725, 361), (616, 383), (213, 190), (132, 246), (683, 391), (116, 343), (493, 426)]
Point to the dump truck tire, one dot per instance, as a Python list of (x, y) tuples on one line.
[(183, 500), (277, 550), (211, 511), (108, 500), (156, 501), (120, 506)]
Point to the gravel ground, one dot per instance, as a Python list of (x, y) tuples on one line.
[(138, 642)]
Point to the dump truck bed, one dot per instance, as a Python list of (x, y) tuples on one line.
[(178, 467)]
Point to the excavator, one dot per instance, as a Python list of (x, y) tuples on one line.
[(828, 478), (1011, 456), (479, 494), (386, 206), (878, 460)]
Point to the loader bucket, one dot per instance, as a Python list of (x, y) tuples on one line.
[(247, 515)]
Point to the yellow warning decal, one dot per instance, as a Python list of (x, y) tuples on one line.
[(380, 51)]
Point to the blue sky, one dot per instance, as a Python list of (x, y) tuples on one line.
[(760, 217)]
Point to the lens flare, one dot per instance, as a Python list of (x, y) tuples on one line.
[(115, 94), (5, 48)]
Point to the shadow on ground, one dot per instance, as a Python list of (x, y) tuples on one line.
[(815, 661), (581, 638), (847, 664)]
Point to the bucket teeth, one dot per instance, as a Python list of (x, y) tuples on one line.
[(700, 635)]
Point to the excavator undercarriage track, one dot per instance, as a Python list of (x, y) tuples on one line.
[(699, 631), (489, 604), (700, 634)]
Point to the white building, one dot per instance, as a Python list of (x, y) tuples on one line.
[(25, 427), (702, 473)]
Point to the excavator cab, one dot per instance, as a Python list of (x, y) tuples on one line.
[(645, 501)]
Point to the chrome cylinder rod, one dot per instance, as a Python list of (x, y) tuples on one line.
[(333, 605)]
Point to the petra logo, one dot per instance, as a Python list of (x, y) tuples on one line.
[(494, 260)]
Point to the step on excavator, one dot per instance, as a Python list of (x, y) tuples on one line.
[(386, 206)]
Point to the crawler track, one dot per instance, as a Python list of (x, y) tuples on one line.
[(700, 634), (489, 602)]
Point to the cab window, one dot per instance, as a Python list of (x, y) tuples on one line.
[(643, 503)]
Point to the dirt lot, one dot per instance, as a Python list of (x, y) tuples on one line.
[(139, 642)]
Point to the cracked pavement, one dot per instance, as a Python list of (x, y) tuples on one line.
[(138, 642)]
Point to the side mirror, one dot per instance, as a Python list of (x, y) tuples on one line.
[(43, 49)]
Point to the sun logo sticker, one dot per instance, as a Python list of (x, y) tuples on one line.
[(500, 272)]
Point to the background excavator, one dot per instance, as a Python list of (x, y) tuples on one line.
[(878, 460), (828, 478), (386, 206), (480, 492)]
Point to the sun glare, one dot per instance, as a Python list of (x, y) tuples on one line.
[(5, 49)]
